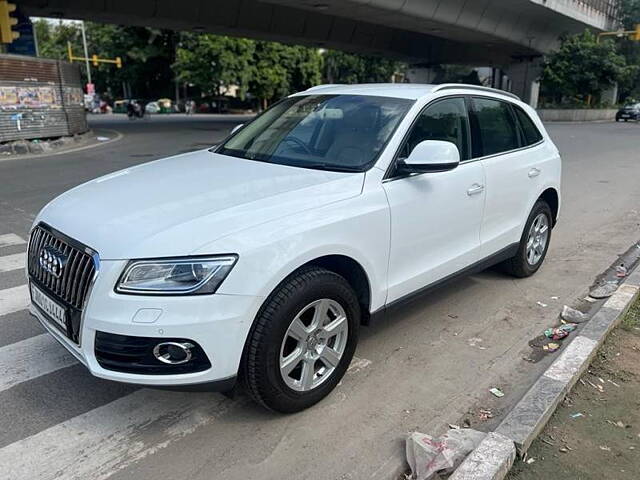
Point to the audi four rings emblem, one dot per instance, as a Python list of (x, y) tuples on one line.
[(52, 261)]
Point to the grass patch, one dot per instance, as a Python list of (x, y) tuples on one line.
[(632, 319)]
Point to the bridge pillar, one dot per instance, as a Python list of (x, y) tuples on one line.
[(524, 79)]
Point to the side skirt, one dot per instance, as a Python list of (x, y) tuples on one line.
[(500, 256)]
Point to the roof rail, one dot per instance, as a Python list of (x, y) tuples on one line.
[(451, 86), (326, 85)]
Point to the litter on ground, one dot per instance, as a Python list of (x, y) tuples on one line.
[(558, 333), (428, 456), (497, 392), (605, 290), (551, 347), (572, 315), (621, 271)]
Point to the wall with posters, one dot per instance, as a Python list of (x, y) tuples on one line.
[(39, 98)]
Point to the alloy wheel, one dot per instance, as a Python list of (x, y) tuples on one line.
[(313, 345), (537, 239)]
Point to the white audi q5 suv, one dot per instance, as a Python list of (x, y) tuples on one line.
[(259, 259)]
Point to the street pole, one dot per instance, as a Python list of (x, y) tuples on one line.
[(86, 52)]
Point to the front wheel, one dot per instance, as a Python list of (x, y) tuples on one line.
[(302, 341), (534, 242)]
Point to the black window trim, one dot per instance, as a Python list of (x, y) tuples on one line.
[(388, 174)]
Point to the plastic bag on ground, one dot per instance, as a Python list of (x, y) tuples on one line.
[(572, 315), (428, 456)]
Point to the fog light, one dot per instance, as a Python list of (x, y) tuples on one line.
[(173, 353)]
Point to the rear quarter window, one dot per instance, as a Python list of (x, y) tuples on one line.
[(530, 131)]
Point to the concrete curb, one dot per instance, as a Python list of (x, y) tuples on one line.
[(118, 136), (493, 458)]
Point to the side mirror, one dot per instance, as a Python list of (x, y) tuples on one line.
[(431, 156), (237, 127)]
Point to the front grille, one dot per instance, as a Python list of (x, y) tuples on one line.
[(72, 285), (124, 353)]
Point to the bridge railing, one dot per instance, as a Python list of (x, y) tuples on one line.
[(609, 8)]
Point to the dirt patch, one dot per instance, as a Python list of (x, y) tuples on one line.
[(595, 434)]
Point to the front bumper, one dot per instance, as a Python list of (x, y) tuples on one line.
[(218, 323)]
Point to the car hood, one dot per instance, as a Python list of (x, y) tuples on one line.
[(178, 205)]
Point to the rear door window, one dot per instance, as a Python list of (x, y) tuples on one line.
[(496, 127)]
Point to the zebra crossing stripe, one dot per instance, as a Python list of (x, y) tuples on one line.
[(9, 239), (109, 438), (12, 262), (14, 299), (31, 358)]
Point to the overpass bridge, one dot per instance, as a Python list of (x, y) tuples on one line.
[(506, 34)]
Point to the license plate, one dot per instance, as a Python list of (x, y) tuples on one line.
[(625, 116), (55, 312)]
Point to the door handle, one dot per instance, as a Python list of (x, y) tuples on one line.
[(534, 172), (475, 189)]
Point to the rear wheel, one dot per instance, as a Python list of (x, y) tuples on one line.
[(534, 242), (302, 341)]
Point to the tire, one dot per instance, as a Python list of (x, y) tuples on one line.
[(520, 264), (270, 342)]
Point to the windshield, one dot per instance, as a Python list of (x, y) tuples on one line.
[(332, 132)]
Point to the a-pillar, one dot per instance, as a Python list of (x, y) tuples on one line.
[(524, 79)]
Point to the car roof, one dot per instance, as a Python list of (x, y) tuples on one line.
[(411, 91)]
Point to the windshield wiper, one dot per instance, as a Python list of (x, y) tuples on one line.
[(323, 166)]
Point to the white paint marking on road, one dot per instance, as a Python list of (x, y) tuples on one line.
[(32, 358), (102, 441), (12, 262), (9, 239), (14, 299)]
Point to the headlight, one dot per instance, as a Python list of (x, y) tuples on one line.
[(175, 276)]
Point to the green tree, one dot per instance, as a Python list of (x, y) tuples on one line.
[(53, 38), (212, 62), (582, 67), (147, 55), (282, 69), (630, 16), (342, 67)]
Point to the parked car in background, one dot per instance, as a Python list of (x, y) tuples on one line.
[(630, 111), (152, 107), (259, 259)]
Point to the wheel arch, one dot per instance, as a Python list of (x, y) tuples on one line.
[(353, 273), (550, 195)]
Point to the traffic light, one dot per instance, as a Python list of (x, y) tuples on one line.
[(636, 34), (7, 22), (118, 62)]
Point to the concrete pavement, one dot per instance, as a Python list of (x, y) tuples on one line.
[(421, 369)]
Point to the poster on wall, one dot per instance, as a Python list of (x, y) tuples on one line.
[(8, 96), (46, 96), (28, 96)]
